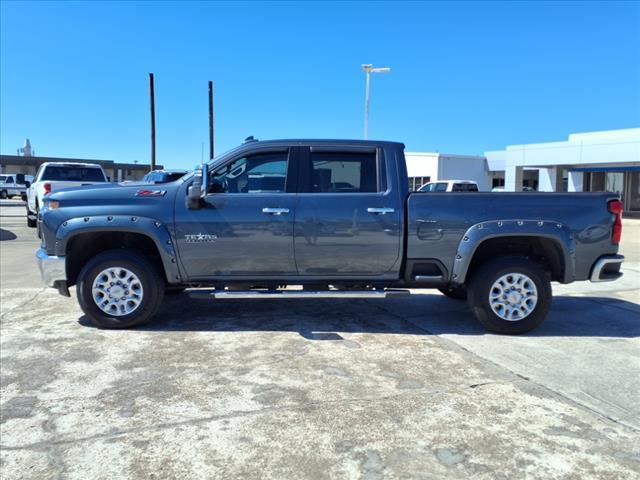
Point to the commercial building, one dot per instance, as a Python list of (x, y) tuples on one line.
[(117, 172), (585, 162)]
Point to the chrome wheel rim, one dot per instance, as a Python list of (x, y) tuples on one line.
[(513, 297), (117, 291)]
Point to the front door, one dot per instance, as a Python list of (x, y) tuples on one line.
[(348, 222), (245, 226)]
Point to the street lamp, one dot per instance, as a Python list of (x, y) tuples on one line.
[(369, 69)]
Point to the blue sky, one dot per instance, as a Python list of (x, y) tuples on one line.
[(467, 77)]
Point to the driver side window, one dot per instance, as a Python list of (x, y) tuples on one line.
[(260, 173)]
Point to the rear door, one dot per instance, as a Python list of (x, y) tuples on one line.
[(348, 219)]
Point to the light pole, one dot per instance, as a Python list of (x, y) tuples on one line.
[(368, 70)]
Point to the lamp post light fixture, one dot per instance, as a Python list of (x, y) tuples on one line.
[(368, 69)]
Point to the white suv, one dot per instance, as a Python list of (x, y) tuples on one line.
[(53, 176), (450, 186)]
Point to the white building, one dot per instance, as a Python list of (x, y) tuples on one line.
[(590, 162), (426, 167)]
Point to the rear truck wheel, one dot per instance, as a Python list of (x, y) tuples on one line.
[(510, 295), (120, 289), (31, 223), (3, 194), (457, 293), (36, 225)]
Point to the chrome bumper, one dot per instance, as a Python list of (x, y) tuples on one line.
[(52, 269), (606, 268)]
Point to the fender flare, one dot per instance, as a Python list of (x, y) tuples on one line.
[(149, 227), (480, 232)]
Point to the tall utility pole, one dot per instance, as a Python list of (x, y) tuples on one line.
[(210, 120), (153, 122), (368, 70)]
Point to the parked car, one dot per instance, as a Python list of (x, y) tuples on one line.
[(14, 185), (163, 176), (53, 176), (450, 186), (218, 228)]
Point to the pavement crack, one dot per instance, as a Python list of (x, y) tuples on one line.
[(21, 305), (550, 391), (47, 445)]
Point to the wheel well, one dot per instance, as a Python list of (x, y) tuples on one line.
[(83, 247), (544, 251)]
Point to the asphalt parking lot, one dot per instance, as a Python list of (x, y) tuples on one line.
[(402, 388)]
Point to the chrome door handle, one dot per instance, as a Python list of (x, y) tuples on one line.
[(380, 211), (275, 211)]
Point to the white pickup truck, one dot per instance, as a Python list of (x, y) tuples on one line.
[(14, 185), (53, 176)]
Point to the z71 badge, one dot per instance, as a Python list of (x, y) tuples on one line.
[(150, 193), (200, 238)]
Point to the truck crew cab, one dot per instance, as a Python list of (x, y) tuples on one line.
[(334, 216)]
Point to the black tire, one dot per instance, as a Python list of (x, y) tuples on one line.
[(3, 194), (152, 285), (457, 293), (31, 223), (489, 273), (36, 225), (23, 197)]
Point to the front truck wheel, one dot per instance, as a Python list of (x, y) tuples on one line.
[(510, 295), (120, 289)]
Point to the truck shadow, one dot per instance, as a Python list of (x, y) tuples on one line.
[(422, 314), (7, 235)]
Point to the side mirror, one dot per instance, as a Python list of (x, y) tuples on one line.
[(197, 190), (27, 183)]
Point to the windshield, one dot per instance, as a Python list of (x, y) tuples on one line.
[(72, 174), (170, 177)]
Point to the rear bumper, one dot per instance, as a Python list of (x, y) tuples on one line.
[(53, 271), (607, 268)]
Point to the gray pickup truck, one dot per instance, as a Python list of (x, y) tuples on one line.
[(321, 218)]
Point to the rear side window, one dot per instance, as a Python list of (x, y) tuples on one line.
[(440, 187), (72, 174), (464, 187), (344, 172)]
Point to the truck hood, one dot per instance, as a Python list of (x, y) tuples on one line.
[(114, 199)]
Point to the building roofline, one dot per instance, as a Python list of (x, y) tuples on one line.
[(38, 160), (448, 155)]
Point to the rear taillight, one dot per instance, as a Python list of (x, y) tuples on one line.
[(47, 188), (615, 207)]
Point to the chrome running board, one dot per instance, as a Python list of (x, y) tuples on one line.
[(287, 294)]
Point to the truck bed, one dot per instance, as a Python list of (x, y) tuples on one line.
[(437, 222)]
